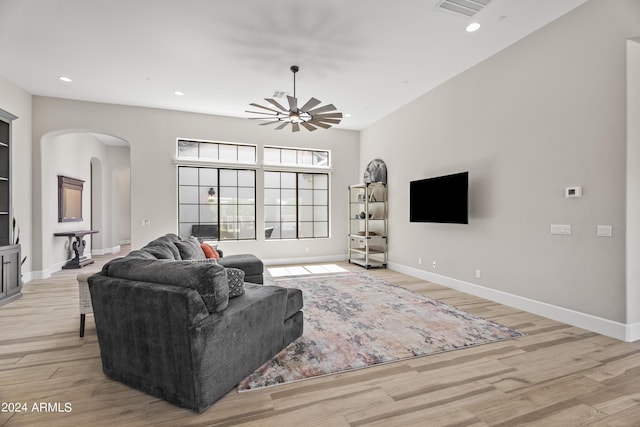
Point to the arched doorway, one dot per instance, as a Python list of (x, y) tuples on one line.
[(101, 161)]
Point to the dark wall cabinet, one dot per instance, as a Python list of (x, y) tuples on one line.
[(10, 277)]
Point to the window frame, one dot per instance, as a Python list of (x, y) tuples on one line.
[(257, 164), (298, 204)]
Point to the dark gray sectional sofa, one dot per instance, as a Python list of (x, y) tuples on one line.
[(169, 324)]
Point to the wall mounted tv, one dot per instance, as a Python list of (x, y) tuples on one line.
[(442, 199)]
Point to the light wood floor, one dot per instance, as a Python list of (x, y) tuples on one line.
[(557, 375)]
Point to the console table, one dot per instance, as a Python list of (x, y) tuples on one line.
[(78, 246)]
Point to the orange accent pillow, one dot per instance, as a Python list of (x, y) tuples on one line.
[(209, 252)]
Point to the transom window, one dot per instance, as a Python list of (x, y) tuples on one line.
[(216, 151), (296, 157)]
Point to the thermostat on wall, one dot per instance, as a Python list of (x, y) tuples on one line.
[(573, 192)]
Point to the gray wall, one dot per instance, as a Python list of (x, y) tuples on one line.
[(152, 134), (546, 113)]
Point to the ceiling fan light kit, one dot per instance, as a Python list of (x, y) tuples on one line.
[(307, 116)]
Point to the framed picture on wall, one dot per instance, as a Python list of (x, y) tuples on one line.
[(69, 199)]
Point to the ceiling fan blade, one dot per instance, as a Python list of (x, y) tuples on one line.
[(282, 126), (295, 126), (320, 119), (324, 109), (309, 126), (310, 104), (269, 123), (293, 103), (275, 103), (330, 115), (262, 112), (264, 108), (320, 124)]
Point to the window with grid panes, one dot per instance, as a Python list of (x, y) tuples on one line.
[(296, 204), (216, 203)]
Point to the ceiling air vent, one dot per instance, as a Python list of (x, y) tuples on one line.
[(463, 7)]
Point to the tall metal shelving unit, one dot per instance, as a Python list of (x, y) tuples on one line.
[(368, 224)]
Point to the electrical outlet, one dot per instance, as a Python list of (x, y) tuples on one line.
[(477, 274), (435, 264), (419, 261)]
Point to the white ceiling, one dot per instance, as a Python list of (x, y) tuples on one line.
[(367, 57)]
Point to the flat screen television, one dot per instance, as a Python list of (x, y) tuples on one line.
[(442, 199)]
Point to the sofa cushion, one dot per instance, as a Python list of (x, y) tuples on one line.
[(202, 261), (159, 250), (169, 240), (250, 264), (209, 279), (190, 248), (140, 254), (294, 302), (235, 277)]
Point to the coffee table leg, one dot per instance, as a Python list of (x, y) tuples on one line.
[(82, 318)]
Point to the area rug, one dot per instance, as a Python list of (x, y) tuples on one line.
[(355, 320)]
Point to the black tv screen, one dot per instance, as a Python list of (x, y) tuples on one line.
[(442, 199)]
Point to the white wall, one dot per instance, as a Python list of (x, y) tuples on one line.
[(121, 201), (633, 182), (544, 114), (152, 135), (18, 102), (72, 154)]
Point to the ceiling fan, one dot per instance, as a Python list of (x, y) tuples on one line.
[(308, 116)]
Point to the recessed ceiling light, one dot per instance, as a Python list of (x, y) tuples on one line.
[(64, 79), (474, 26), (178, 93)]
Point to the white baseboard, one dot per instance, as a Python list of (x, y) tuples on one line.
[(617, 330), (45, 274), (27, 277), (633, 332), (105, 251)]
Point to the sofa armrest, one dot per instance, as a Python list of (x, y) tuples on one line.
[(144, 333), (234, 343)]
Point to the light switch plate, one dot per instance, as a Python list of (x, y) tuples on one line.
[(561, 229), (605, 231)]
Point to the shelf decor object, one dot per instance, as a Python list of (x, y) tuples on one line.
[(368, 224)]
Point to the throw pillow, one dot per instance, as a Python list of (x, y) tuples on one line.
[(209, 251), (190, 249), (235, 278)]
